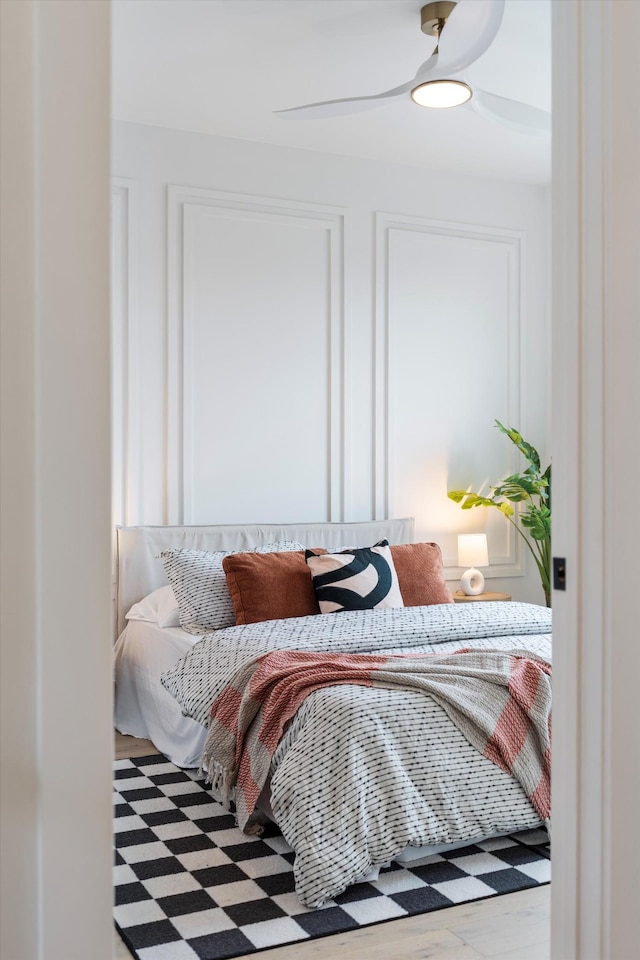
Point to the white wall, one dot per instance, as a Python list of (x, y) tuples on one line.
[(301, 336)]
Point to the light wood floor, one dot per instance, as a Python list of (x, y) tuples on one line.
[(511, 927)]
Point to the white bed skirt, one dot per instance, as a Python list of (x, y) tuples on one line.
[(142, 706)]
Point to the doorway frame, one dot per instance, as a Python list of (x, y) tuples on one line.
[(596, 396), (596, 204)]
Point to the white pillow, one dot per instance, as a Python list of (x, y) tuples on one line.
[(159, 607), (200, 584)]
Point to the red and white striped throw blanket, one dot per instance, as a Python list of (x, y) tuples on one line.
[(501, 703)]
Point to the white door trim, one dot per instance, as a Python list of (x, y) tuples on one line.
[(57, 719), (596, 397)]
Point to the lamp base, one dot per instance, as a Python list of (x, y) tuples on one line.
[(472, 582)]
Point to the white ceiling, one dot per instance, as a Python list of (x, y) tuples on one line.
[(223, 66)]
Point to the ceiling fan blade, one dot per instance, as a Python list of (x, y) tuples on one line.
[(339, 108), (428, 66), (513, 112), (469, 31)]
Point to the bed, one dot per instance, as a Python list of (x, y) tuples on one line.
[(364, 773)]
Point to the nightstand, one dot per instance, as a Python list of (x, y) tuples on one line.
[(461, 597)]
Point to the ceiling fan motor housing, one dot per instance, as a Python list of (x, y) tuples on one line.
[(434, 15)]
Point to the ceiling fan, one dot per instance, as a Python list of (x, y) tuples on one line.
[(462, 32)]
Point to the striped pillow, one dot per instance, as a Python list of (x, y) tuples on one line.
[(200, 585), (359, 579)]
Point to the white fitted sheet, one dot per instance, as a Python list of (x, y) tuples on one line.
[(143, 708)]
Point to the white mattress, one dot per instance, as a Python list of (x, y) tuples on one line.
[(143, 708)]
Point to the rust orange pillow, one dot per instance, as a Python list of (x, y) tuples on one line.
[(420, 574), (276, 589)]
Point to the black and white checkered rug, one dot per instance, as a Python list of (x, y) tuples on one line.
[(189, 885)]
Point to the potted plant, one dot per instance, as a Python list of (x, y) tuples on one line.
[(532, 489)]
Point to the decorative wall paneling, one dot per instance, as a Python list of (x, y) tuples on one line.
[(326, 338), (449, 312), (125, 430), (256, 359)]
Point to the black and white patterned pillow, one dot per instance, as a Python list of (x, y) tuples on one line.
[(361, 579), (200, 585)]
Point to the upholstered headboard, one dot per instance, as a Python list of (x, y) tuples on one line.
[(138, 571)]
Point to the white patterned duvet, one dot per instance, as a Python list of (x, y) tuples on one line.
[(363, 772)]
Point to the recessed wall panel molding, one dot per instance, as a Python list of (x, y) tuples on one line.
[(449, 315), (126, 474), (256, 356)]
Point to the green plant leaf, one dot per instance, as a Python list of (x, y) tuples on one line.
[(537, 522), (512, 491), (532, 483), (467, 500), (525, 448), (546, 476), (474, 500)]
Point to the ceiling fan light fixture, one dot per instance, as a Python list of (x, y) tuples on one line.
[(440, 94)]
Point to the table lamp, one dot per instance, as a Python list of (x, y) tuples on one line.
[(472, 553)]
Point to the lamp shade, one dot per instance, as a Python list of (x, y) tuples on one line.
[(472, 550)]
